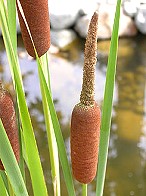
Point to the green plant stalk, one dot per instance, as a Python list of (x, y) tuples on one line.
[(58, 135), (11, 6), (21, 160), (4, 178), (3, 190), (84, 189), (33, 158), (107, 104), (11, 192), (45, 68), (56, 126), (4, 23), (13, 172), (50, 131)]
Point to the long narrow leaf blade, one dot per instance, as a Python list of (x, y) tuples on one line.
[(11, 5), (11, 166), (34, 164), (53, 150), (56, 126), (59, 137), (107, 104), (3, 190)]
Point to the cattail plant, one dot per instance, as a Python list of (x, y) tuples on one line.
[(8, 117), (85, 121), (37, 16)]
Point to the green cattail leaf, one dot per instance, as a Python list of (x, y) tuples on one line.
[(10, 163), (11, 5), (53, 150), (58, 134), (3, 190), (34, 164), (107, 104), (49, 109)]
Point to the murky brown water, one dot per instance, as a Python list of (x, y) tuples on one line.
[(126, 169)]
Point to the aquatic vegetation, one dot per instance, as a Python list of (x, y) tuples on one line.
[(85, 114)]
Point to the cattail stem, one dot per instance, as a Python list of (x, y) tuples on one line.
[(85, 121), (84, 190), (87, 93)]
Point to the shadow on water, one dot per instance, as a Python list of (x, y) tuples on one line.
[(126, 169)]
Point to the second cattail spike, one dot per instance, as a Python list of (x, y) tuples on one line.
[(85, 120), (87, 93)]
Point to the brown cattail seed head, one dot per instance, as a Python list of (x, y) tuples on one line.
[(85, 121), (85, 132), (37, 17), (8, 117)]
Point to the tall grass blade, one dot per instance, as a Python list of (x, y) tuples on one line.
[(34, 164), (5, 179), (45, 88), (107, 104), (84, 189), (50, 131), (11, 6), (11, 10), (11, 166), (3, 190), (58, 134)]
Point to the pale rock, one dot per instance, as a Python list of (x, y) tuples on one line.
[(127, 26), (62, 38), (142, 1), (82, 25), (131, 7), (106, 20), (88, 7), (63, 14), (111, 1), (105, 23), (140, 19)]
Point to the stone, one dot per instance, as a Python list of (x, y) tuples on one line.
[(127, 26), (140, 19), (106, 20), (82, 25), (88, 7), (63, 14), (105, 23), (131, 7), (62, 38)]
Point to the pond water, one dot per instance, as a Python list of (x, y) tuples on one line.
[(126, 168)]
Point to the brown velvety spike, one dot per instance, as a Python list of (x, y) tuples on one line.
[(85, 120), (85, 133), (8, 117), (37, 16)]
